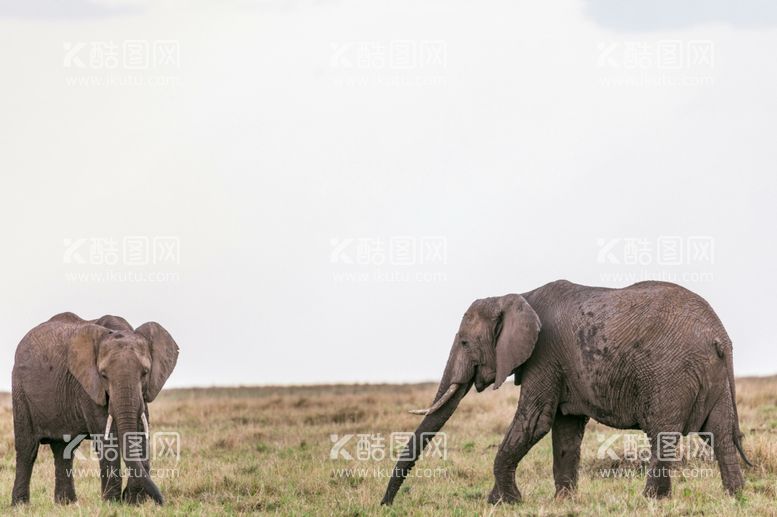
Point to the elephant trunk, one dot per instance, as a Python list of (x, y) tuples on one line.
[(134, 450), (457, 379), (429, 426)]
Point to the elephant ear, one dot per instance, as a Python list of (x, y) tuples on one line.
[(164, 355), (82, 352), (517, 329)]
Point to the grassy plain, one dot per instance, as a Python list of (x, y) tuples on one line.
[(266, 450)]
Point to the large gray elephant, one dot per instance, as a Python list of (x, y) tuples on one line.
[(74, 377), (651, 356)]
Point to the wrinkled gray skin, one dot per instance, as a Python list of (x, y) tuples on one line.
[(651, 356), (68, 375)]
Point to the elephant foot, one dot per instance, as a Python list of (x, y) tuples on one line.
[(510, 496), (562, 492), (20, 499), (657, 491), (733, 483), (734, 489), (113, 494), (65, 498), (134, 494), (659, 482), (652, 493)]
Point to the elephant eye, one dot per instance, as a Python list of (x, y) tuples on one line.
[(465, 343), (145, 371), (103, 375)]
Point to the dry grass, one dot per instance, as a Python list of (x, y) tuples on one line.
[(266, 450)]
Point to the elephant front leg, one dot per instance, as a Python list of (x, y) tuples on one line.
[(64, 486), (529, 426), (567, 435)]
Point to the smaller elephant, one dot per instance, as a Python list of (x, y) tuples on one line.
[(74, 378)]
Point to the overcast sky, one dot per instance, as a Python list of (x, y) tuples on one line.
[(315, 191)]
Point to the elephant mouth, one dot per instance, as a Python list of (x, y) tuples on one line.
[(480, 385), (484, 377)]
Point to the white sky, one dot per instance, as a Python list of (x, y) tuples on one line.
[(535, 140)]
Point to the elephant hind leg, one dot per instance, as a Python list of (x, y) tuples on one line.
[(567, 435), (659, 480), (721, 424), (26, 453), (64, 487), (26, 445), (532, 421)]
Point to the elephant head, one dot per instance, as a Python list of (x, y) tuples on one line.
[(124, 370), (496, 336)]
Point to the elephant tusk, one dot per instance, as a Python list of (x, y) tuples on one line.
[(437, 405), (145, 424), (108, 427)]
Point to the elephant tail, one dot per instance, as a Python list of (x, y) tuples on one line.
[(729, 355)]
